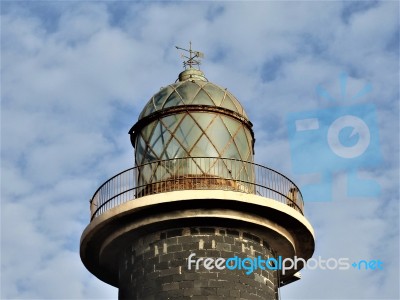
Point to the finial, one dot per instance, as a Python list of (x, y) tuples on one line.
[(192, 59)]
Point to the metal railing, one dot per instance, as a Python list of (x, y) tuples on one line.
[(195, 173)]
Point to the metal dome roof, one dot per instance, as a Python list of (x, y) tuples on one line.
[(192, 89)]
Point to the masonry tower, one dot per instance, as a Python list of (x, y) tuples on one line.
[(194, 196)]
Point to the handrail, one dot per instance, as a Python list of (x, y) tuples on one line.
[(194, 173)]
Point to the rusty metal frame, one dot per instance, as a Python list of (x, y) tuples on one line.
[(188, 108)]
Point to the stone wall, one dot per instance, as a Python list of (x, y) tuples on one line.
[(155, 266)]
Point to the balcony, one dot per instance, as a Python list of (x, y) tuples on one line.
[(195, 173)]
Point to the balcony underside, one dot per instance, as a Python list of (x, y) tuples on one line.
[(286, 229)]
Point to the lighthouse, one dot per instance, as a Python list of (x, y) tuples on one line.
[(195, 217)]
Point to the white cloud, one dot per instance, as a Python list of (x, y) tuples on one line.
[(75, 76)]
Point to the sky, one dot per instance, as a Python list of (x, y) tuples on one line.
[(75, 76)]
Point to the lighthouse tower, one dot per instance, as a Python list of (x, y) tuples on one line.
[(195, 218)]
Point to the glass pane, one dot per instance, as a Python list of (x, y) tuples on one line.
[(171, 121), (228, 103), (249, 141), (148, 109), (203, 118), (150, 156), (147, 130), (140, 149), (231, 151), (204, 148), (187, 132), (160, 98), (218, 168), (173, 100), (247, 173), (145, 174), (162, 172), (164, 142), (249, 137), (218, 134), (239, 106), (156, 102), (188, 91), (242, 143), (202, 98), (156, 140), (174, 150), (231, 123), (216, 93), (202, 83)]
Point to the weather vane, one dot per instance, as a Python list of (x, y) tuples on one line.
[(193, 58)]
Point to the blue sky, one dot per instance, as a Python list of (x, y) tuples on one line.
[(75, 76)]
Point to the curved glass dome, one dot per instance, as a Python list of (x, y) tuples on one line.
[(193, 128), (193, 92)]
